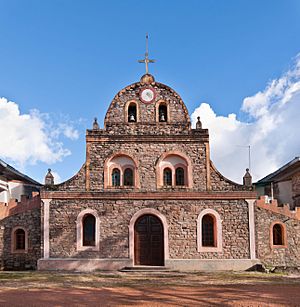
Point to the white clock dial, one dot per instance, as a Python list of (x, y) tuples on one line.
[(147, 95)]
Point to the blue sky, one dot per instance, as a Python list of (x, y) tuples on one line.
[(67, 59)]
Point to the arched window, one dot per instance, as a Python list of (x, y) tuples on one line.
[(121, 170), (88, 227), (88, 230), (167, 177), (132, 113), (174, 169), (19, 239), (179, 173), (278, 238), (163, 113), (128, 177), (208, 231), (115, 177)]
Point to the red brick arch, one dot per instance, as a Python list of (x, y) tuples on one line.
[(159, 168), (107, 169)]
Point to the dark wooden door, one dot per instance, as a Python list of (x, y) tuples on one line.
[(148, 241)]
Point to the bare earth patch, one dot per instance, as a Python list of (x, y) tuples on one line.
[(148, 289)]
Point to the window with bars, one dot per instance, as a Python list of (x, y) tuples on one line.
[(20, 239), (89, 227), (115, 177), (167, 177), (278, 235), (179, 173), (208, 231), (128, 177)]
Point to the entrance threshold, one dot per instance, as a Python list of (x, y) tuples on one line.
[(145, 268)]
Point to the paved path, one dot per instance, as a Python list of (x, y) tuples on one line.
[(201, 295)]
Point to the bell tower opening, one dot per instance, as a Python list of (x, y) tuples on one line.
[(132, 113), (163, 113)]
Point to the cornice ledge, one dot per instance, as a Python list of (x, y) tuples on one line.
[(234, 195)]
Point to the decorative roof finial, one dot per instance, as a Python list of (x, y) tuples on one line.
[(146, 60), (198, 124), (49, 178), (247, 179), (95, 124)]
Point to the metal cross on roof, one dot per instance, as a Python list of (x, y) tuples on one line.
[(146, 60)]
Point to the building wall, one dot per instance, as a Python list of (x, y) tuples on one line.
[(146, 154), (279, 256), (31, 221), (284, 195), (181, 216)]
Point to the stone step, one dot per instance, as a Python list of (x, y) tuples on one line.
[(145, 268)]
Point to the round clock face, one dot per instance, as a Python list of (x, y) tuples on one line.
[(147, 95)]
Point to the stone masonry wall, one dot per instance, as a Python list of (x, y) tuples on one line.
[(181, 217), (76, 183), (31, 221), (147, 155), (288, 257), (147, 112)]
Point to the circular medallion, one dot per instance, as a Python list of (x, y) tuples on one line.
[(147, 95)]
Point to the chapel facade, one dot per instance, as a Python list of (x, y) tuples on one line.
[(149, 195)]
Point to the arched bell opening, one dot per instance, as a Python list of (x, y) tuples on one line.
[(132, 113)]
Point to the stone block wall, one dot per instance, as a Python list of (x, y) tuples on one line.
[(31, 221), (280, 256), (147, 112), (181, 216), (147, 155)]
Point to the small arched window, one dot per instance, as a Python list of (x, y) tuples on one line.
[(167, 177), (208, 231), (89, 227), (163, 113), (278, 235), (19, 239), (115, 177), (132, 113), (128, 177), (179, 174)]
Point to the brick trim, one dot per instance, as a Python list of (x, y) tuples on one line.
[(133, 220), (79, 231), (284, 235), (217, 232), (234, 195), (13, 241), (188, 168)]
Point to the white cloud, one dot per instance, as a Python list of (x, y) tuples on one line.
[(57, 178), (32, 137), (69, 132), (272, 132)]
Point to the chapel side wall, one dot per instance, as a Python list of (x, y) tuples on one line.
[(147, 155), (220, 183), (31, 221), (76, 183), (181, 216), (278, 256)]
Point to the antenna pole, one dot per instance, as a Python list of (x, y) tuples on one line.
[(249, 147)]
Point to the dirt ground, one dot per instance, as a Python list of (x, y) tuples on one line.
[(148, 289)]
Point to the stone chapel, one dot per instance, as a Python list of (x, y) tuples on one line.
[(148, 194)]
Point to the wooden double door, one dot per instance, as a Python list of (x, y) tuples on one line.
[(149, 241)]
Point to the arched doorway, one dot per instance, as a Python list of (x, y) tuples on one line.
[(148, 241)]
